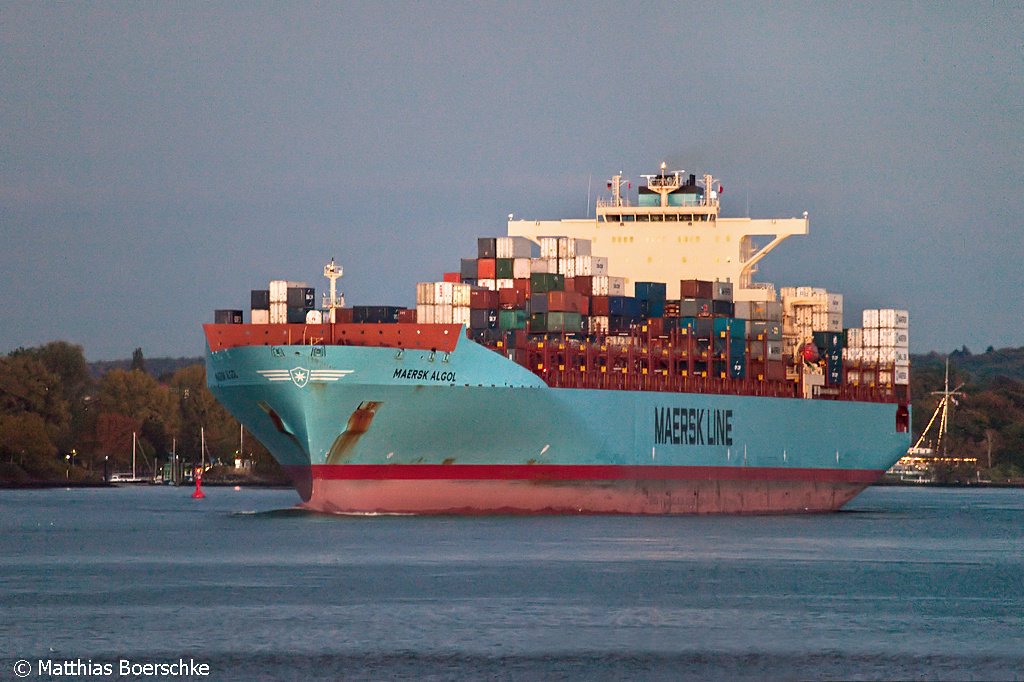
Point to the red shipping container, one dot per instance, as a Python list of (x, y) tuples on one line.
[(483, 299), (570, 284), (407, 316), (599, 305), (523, 287), (485, 268), (583, 285), (455, 277), (511, 298), (343, 315), (567, 302)]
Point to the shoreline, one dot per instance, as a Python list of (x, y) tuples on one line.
[(42, 485)]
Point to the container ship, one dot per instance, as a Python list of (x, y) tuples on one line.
[(624, 363)]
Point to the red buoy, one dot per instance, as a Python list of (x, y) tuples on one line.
[(198, 494)]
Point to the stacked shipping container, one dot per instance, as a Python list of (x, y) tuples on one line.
[(879, 352), (515, 298)]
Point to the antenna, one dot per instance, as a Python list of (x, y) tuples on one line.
[(333, 273)]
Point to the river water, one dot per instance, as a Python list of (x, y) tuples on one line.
[(921, 583)]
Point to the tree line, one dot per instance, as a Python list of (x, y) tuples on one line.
[(987, 418), (57, 420)]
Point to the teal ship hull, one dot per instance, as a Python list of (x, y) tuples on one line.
[(385, 430)]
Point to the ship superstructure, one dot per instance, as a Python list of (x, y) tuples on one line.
[(673, 232)]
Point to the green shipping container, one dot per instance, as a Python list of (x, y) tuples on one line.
[(570, 323), (543, 282), (512, 319), (503, 268)]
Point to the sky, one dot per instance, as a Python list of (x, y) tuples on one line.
[(160, 159)]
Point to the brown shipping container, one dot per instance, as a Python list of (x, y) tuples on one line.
[(407, 316), (599, 305), (483, 299), (695, 288), (583, 285), (511, 298), (655, 326), (343, 315)]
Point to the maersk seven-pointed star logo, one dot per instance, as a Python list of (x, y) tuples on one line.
[(299, 375)]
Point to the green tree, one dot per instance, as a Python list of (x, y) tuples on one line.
[(138, 362), (27, 386), (25, 441), (67, 363), (137, 399)]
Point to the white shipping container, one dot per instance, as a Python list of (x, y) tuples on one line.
[(869, 355), (616, 286), (278, 291), (885, 377), (598, 324), (591, 265), (278, 312), (514, 247), (871, 336), (521, 268), (487, 284), (902, 356), (460, 315), (599, 265), (260, 316), (569, 247), (599, 285), (442, 314), (901, 374), (461, 294), (893, 319), (502, 284), (425, 293), (314, 317), (425, 313), (886, 355), (853, 377), (835, 303), (854, 337), (870, 318), (549, 265), (893, 338), (548, 249), (853, 354), (567, 266), (443, 292)]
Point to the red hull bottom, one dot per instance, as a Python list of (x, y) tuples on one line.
[(462, 496)]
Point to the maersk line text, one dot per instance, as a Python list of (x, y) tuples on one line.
[(692, 426)]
